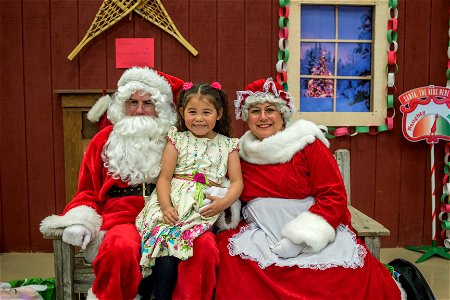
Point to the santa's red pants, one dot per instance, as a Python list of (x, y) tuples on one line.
[(116, 266), (117, 271)]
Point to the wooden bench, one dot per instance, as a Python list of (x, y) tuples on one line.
[(365, 227), (75, 276)]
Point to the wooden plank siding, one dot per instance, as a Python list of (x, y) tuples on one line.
[(414, 155), (13, 176), (237, 42), (38, 114)]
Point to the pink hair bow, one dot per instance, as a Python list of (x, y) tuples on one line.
[(187, 85), (216, 85)]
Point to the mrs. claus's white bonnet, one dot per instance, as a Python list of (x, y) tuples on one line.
[(260, 91)]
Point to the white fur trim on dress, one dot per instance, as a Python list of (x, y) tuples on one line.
[(99, 108), (235, 210), (310, 229), (403, 294), (281, 147), (84, 215), (91, 295)]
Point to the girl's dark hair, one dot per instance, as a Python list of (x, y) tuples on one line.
[(217, 97)]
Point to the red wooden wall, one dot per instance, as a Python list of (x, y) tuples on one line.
[(237, 43)]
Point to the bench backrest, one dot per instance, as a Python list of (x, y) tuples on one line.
[(343, 160)]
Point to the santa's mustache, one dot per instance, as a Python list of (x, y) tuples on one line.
[(140, 126)]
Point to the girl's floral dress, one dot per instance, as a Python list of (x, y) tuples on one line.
[(201, 162)]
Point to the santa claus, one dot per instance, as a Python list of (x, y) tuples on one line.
[(119, 167)]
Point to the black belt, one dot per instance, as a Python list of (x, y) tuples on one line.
[(135, 190)]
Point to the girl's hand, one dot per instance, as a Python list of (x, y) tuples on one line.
[(216, 207), (170, 215)]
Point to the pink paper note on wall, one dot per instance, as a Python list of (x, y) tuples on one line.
[(132, 52)]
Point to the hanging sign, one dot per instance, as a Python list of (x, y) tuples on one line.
[(134, 52), (426, 114)]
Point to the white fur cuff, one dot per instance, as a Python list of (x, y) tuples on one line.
[(84, 215), (223, 224), (310, 229)]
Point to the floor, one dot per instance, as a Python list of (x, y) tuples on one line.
[(436, 270)]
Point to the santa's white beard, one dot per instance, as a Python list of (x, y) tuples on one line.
[(134, 149)]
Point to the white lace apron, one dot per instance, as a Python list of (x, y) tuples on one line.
[(266, 218)]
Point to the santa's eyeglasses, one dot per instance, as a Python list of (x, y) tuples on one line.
[(134, 104)]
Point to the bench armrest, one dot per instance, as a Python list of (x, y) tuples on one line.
[(366, 226), (52, 237)]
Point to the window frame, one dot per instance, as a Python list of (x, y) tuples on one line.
[(377, 115)]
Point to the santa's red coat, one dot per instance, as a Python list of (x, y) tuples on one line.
[(116, 266), (295, 164)]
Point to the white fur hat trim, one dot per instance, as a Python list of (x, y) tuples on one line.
[(148, 77), (99, 108)]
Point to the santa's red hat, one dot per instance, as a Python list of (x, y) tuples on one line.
[(260, 91), (134, 79), (175, 83)]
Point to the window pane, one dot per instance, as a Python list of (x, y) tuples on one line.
[(353, 96), (355, 22), (354, 59), (317, 22), (317, 59), (316, 95)]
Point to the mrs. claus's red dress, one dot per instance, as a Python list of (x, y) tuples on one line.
[(296, 164)]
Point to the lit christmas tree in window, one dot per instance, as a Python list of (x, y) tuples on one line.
[(320, 87)]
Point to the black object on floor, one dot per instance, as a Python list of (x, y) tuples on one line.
[(412, 280)]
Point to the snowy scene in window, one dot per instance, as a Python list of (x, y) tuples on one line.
[(335, 58)]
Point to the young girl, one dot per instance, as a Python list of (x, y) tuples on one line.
[(195, 158)]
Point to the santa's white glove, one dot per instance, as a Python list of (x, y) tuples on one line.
[(77, 235), (213, 191), (286, 249)]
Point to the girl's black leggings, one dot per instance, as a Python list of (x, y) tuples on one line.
[(162, 281)]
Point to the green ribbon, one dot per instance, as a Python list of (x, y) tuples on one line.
[(329, 135), (284, 3), (393, 3), (445, 225), (390, 101), (283, 22), (362, 129), (390, 269), (382, 128), (392, 36), (199, 193), (283, 55)]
